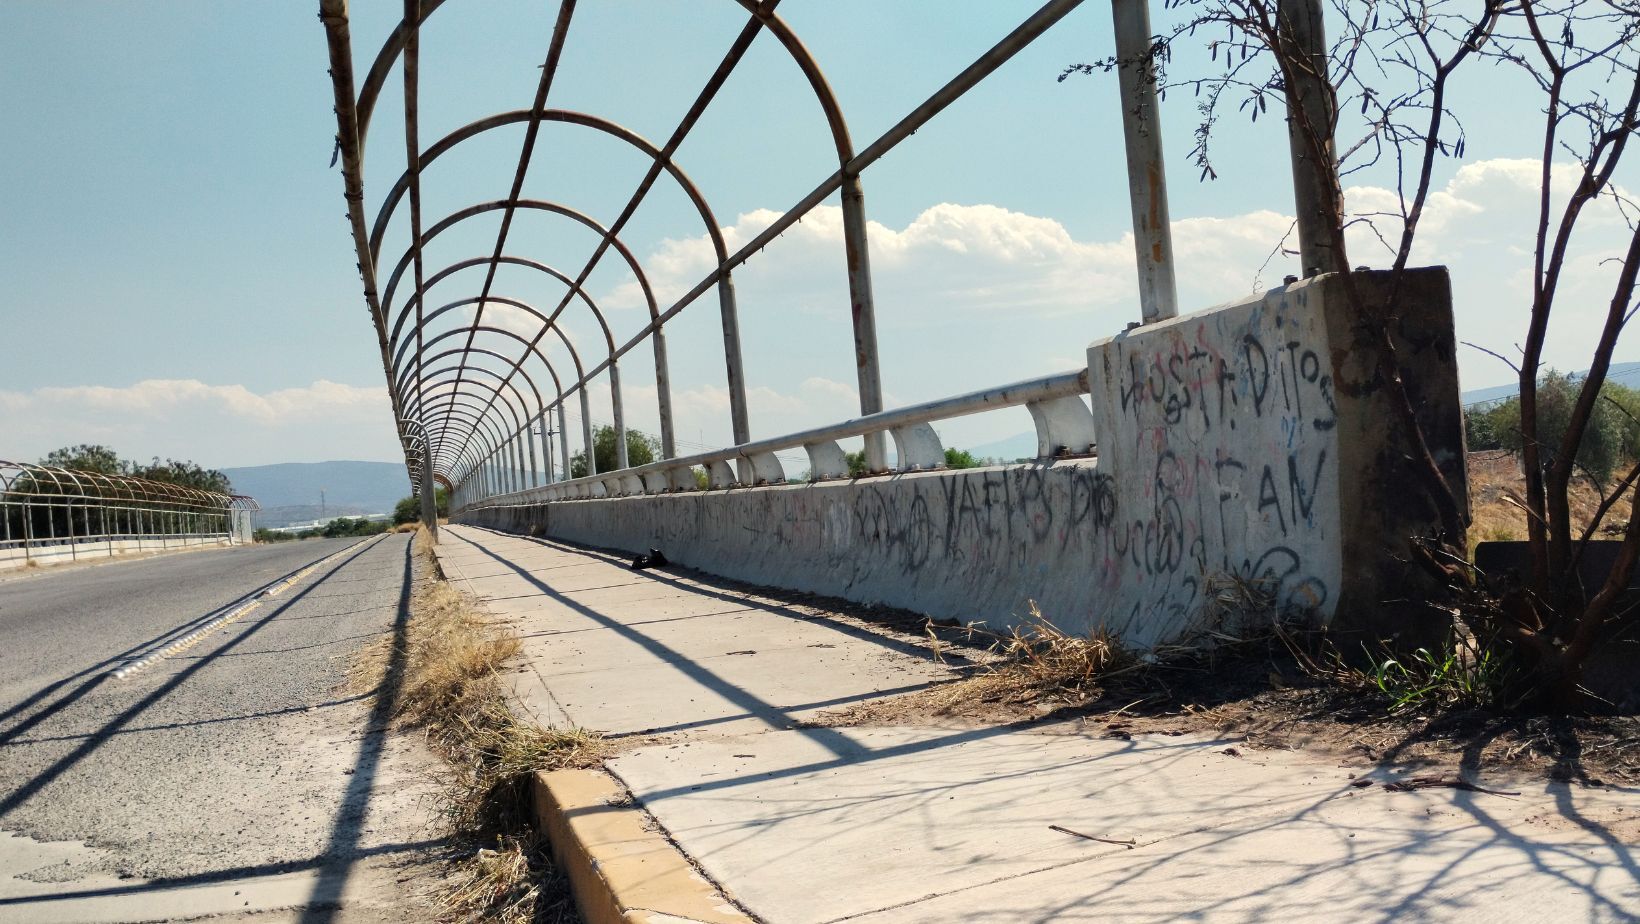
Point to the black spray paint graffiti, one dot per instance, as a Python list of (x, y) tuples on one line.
[(894, 525), (1201, 385)]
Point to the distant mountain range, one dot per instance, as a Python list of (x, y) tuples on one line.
[(1626, 374), (289, 492)]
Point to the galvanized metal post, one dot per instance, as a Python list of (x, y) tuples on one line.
[(429, 495), (563, 444), (516, 445), (735, 370), (620, 418), (1147, 178), (546, 441), (586, 433), (862, 304), (529, 444), (1311, 115), (663, 397), (509, 452)]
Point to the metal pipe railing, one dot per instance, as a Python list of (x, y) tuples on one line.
[(1063, 422), (48, 508)]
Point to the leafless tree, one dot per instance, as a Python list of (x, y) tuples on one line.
[(1383, 85)]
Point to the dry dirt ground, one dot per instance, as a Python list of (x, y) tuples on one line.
[(1256, 689), (1261, 693)]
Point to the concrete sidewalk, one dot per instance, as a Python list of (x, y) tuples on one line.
[(707, 687)]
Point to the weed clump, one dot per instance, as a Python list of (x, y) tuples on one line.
[(1463, 672), (1033, 662), (449, 686)]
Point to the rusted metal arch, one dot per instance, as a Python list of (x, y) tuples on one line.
[(603, 323), (863, 310), (609, 338), (520, 413), (481, 208), (436, 438), (734, 372), (478, 422), (531, 346), (478, 389), (531, 349), (479, 448), (658, 341), (568, 117), (405, 312), (541, 404), (839, 182), (475, 455), (540, 401), (763, 12), (662, 379), (118, 487), (546, 442)]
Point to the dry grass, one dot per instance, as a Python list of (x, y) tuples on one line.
[(410, 527), (1035, 662), (1497, 489), (450, 688)]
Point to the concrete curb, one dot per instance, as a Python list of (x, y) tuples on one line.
[(621, 869)]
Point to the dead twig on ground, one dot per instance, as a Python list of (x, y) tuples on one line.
[(1129, 844)]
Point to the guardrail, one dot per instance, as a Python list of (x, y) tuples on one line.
[(1064, 427), (49, 514)]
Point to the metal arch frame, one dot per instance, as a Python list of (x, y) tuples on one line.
[(437, 439), (151, 509), (532, 350), (603, 323), (546, 441), (493, 445), (762, 16), (133, 488), (614, 129), (863, 312), (459, 386), (658, 341), (431, 380), (1147, 186), (532, 347), (490, 442), (597, 313), (541, 402), (734, 370)]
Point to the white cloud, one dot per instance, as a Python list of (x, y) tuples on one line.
[(971, 295), (215, 425), (967, 296)]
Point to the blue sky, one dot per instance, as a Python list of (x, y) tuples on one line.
[(177, 261)]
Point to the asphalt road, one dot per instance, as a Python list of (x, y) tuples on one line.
[(233, 776)]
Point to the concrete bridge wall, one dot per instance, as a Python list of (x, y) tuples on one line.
[(1243, 446)]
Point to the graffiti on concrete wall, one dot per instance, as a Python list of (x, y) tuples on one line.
[(1217, 458), (1220, 427)]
